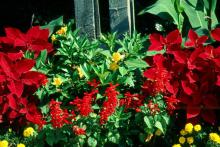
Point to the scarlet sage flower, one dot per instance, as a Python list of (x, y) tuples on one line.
[(158, 42), (110, 104), (78, 131)]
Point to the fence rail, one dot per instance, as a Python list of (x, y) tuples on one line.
[(87, 15)]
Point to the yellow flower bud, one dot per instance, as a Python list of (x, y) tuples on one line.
[(114, 66), (189, 127), (197, 128), (53, 38), (182, 140), (190, 140)]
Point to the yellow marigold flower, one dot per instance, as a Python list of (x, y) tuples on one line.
[(53, 38), (158, 133), (4, 143), (190, 140), (20, 145), (183, 132), (80, 72), (197, 127), (57, 81), (214, 137), (28, 132), (189, 127), (114, 66), (182, 140), (116, 57), (62, 31), (176, 145)]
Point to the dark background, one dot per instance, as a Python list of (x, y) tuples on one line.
[(20, 13)]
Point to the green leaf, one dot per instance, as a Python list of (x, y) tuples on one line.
[(147, 122), (51, 25), (92, 142), (123, 71), (166, 118), (164, 9), (85, 70), (159, 126), (153, 53), (136, 63), (41, 58)]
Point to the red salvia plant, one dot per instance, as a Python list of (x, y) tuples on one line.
[(187, 75), (110, 104)]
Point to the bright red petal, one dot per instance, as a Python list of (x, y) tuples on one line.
[(24, 65), (216, 34), (174, 37), (16, 87)]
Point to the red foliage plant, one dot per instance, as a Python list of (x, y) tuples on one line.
[(189, 75), (17, 81)]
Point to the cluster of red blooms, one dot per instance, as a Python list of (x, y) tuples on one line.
[(59, 117), (84, 105), (78, 131), (17, 81), (132, 101), (153, 107), (110, 104), (190, 74)]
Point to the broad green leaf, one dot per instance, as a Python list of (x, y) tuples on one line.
[(92, 142), (164, 9), (136, 63), (123, 71), (147, 122), (159, 126), (51, 25)]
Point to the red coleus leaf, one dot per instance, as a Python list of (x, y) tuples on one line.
[(180, 56), (193, 111), (218, 80), (216, 34), (194, 39), (24, 65), (13, 33), (209, 116), (16, 87), (13, 114), (15, 56), (12, 102), (33, 78), (7, 66), (36, 33), (156, 42), (186, 87)]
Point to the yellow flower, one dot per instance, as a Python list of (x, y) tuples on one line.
[(183, 132), (28, 132), (20, 145), (80, 72), (116, 56), (57, 81), (197, 127), (62, 31), (176, 145), (158, 133), (114, 66), (182, 140), (189, 128), (190, 140), (4, 143), (53, 38), (214, 137)]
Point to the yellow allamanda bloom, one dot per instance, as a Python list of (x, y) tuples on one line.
[(4, 143), (62, 31), (116, 56), (80, 72), (114, 66), (214, 137), (57, 81), (20, 145), (28, 132), (189, 127)]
